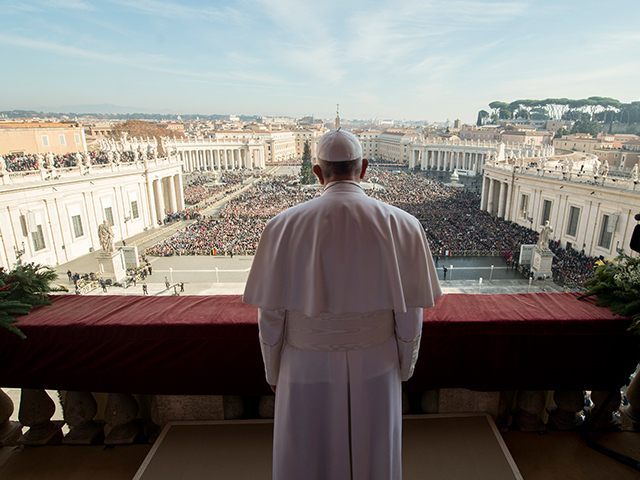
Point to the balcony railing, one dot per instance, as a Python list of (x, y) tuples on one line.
[(526, 359)]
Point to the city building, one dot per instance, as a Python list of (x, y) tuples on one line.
[(467, 155), (41, 137), (52, 217), (621, 151), (391, 145), (587, 208)]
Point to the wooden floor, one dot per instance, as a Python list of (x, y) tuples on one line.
[(436, 447), (550, 456)]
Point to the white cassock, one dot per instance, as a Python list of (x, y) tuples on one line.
[(340, 282)]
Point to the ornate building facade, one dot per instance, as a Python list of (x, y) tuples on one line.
[(587, 208), (468, 155), (51, 216)]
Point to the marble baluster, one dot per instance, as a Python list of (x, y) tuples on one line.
[(79, 410), (10, 431), (36, 410), (568, 413), (607, 404), (122, 427), (529, 410)]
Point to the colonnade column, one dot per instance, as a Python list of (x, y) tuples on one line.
[(177, 181), (485, 194), (501, 192), (171, 186), (159, 194), (490, 197), (151, 201), (507, 211)]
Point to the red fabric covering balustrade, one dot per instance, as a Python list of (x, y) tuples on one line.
[(209, 345)]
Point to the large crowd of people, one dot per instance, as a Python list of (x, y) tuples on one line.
[(199, 188), (237, 228), (451, 217), (21, 162)]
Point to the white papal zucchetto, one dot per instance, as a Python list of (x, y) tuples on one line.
[(339, 146)]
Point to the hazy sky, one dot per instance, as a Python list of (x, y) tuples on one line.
[(422, 59)]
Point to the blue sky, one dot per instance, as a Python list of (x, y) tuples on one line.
[(422, 59)]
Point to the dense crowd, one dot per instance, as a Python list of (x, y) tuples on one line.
[(19, 162), (238, 226), (199, 188), (452, 219)]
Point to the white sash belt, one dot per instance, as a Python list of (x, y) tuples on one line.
[(339, 332)]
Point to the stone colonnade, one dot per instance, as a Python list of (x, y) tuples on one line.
[(496, 197), (448, 159), (220, 158), (166, 195)]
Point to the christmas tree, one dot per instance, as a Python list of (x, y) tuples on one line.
[(306, 173)]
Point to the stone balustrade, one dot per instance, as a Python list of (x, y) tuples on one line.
[(122, 418), (521, 363), (69, 173), (577, 176)]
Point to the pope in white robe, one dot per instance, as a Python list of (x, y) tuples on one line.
[(340, 283)]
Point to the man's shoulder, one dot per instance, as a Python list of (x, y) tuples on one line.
[(396, 212), (293, 212)]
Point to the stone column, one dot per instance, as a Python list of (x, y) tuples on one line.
[(485, 193), (171, 187), (179, 191), (490, 196), (160, 208), (507, 212), (153, 217), (501, 192)]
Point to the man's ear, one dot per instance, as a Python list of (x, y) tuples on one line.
[(365, 164), (318, 173)]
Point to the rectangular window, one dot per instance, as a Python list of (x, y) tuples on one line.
[(38, 238), (23, 226), (77, 226), (546, 212), (134, 209), (45, 140), (108, 215), (63, 140), (76, 138), (574, 218), (524, 205), (606, 234)]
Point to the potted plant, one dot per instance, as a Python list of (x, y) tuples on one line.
[(22, 289)]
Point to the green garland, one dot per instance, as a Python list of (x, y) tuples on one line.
[(617, 286), (22, 289)]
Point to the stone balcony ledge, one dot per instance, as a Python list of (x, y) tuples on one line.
[(525, 358)]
